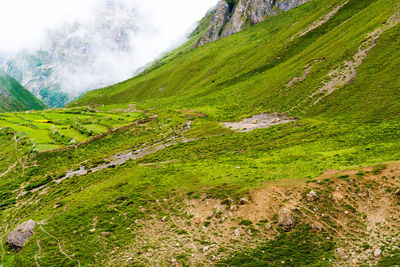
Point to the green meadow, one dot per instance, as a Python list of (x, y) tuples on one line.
[(52, 129), (98, 218)]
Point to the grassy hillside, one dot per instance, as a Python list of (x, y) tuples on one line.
[(15, 98), (55, 129), (181, 189), (249, 72)]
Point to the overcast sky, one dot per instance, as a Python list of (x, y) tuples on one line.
[(23, 23)]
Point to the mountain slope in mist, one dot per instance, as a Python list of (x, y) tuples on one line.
[(77, 57), (102, 49), (13, 97)]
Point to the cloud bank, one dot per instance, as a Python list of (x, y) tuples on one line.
[(86, 44)]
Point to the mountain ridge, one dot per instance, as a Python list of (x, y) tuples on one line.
[(232, 16), (13, 97)]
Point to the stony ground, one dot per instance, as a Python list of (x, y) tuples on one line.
[(357, 209)]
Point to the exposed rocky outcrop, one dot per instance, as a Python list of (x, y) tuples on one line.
[(233, 16), (17, 238), (312, 196), (287, 220)]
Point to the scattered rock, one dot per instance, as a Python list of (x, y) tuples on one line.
[(317, 228), (275, 120), (312, 196), (243, 201), (177, 245), (233, 208), (230, 201), (164, 218), (205, 249), (17, 238), (338, 197), (105, 234), (237, 232), (397, 193), (286, 220), (340, 251), (92, 230), (346, 212), (377, 253), (255, 121)]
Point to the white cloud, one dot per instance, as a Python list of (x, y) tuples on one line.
[(154, 27), (23, 23)]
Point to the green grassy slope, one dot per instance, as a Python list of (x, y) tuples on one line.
[(15, 98), (151, 210), (250, 70), (55, 129)]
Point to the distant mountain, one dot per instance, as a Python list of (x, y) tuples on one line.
[(54, 73), (13, 97)]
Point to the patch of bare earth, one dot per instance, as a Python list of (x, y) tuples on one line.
[(302, 78), (347, 72), (359, 209), (322, 20), (260, 121)]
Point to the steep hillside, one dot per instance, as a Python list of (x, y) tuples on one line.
[(13, 97), (314, 59), (275, 146)]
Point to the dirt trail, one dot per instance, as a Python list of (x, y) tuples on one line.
[(52, 236), (38, 252), (59, 246), (300, 79), (322, 20), (121, 158), (9, 169), (1, 242)]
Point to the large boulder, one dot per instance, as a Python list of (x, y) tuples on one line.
[(312, 196), (17, 238), (287, 220)]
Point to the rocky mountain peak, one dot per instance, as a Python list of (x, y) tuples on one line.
[(232, 16)]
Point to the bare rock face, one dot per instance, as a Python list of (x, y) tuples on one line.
[(17, 238), (230, 19), (312, 196), (220, 18), (287, 220)]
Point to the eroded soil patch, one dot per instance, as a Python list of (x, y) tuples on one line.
[(260, 121), (357, 209)]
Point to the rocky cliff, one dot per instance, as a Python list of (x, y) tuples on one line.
[(233, 16)]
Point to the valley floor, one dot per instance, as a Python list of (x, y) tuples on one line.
[(182, 189)]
